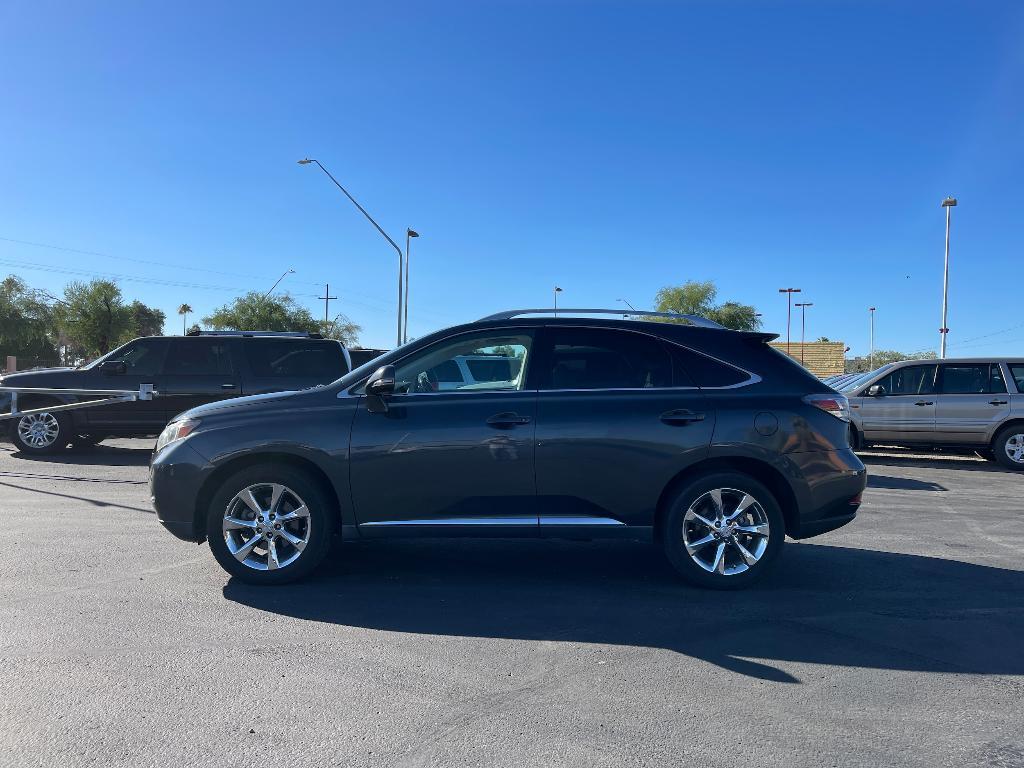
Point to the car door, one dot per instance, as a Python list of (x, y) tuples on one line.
[(617, 418), (143, 360), (904, 410), (452, 459), (972, 401), (199, 370), (278, 364)]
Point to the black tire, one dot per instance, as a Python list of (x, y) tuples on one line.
[(672, 531), (1005, 435), (856, 441), (59, 441), (300, 485)]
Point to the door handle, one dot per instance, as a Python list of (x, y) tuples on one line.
[(924, 402), (681, 417), (506, 420), (997, 402), (229, 386)]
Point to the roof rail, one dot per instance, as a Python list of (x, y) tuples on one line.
[(286, 334), (697, 320)]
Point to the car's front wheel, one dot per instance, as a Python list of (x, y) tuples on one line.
[(40, 433), (723, 531), (269, 524)]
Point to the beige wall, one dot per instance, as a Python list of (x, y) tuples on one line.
[(822, 358)]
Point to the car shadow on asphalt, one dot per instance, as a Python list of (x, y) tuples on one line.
[(822, 605), (902, 483), (963, 462), (102, 455)]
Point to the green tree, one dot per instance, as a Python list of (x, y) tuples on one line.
[(26, 322), (145, 321), (256, 312), (92, 317), (340, 328), (882, 357), (698, 298)]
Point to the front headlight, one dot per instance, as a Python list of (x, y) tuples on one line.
[(176, 430)]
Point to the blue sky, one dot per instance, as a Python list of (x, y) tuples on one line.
[(609, 148)]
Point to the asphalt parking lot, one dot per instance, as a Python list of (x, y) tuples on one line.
[(898, 640)]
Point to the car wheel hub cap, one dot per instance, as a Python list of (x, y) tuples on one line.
[(1015, 448), (258, 544), (725, 531), (38, 430)]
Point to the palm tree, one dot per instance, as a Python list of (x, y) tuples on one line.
[(183, 310)]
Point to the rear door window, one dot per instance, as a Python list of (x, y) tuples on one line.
[(974, 379), (320, 361), (704, 371), (598, 358)]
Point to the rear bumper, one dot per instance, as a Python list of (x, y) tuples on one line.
[(831, 484), (175, 478)]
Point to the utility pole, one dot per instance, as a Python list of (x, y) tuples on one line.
[(789, 310), (949, 203), (327, 299), (557, 291), (871, 354), (803, 325)]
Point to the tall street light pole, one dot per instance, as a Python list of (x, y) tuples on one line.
[(949, 203), (871, 354), (557, 291), (803, 325), (409, 234), (282, 277), (789, 310), (369, 218)]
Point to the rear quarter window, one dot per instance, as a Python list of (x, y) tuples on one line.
[(318, 361), (702, 371)]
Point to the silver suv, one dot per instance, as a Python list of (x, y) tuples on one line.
[(970, 402)]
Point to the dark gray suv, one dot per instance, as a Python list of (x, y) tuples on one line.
[(704, 440)]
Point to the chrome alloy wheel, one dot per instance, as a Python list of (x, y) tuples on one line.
[(38, 430), (266, 526), (725, 531), (1014, 447)]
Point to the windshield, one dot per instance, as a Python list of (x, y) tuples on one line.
[(853, 383), (111, 355)]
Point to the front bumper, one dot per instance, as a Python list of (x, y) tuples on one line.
[(176, 477)]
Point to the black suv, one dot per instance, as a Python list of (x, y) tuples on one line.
[(186, 371), (702, 439)]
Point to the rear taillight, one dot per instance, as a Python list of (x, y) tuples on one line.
[(837, 405)]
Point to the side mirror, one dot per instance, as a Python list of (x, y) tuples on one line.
[(113, 368), (379, 386), (875, 390)]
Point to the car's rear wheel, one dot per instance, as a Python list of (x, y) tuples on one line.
[(1009, 447), (723, 531), (269, 524), (40, 433)]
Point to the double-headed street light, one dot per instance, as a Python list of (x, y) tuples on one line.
[(803, 325), (949, 203), (369, 218), (789, 310)]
